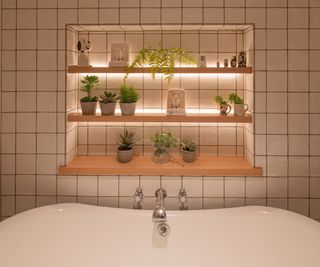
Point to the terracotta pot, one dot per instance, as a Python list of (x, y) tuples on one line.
[(240, 109), (128, 109), (107, 108), (189, 156), (88, 108), (125, 156)]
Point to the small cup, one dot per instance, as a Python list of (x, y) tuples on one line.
[(225, 109)]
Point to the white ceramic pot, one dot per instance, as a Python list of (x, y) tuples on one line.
[(240, 109)]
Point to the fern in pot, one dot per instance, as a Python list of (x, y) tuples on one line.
[(89, 102), (125, 147), (108, 103), (240, 108), (128, 99), (163, 143), (161, 60), (189, 150)]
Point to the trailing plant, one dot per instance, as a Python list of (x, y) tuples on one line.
[(161, 60), (128, 94), (189, 145), (164, 141), (108, 97), (234, 98), (126, 140), (220, 101), (88, 83)]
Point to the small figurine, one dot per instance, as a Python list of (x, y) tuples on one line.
[(242, 62), (202, 62), (226, 63), (119, 55), (233, 62), (218, 64), (82, 46), (176, 101)]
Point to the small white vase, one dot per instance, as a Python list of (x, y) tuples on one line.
[(240, 109)]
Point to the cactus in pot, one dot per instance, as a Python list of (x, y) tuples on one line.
[(125, 147), (108, 103), (128, 99), (89, 103)]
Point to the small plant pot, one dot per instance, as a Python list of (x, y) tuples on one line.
[(128, 109), (88, 108), (189, 156), (107, 108), (125, 156), (240, 109), (161, 155), (224, 109)]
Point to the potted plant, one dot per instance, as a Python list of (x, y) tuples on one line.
[(128, 99), (239, 107), (89, 103), (125, 147), (189, 150), (161, 61), (163, 142), (224, 107), (108, 103)]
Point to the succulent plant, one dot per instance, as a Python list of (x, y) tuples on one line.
[(108, 97), (88, 83), (126, 140), (189, 145)]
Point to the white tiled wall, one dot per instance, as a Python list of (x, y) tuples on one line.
[(286, 85)]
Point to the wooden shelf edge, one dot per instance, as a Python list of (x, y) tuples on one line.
[(190, 118), (204, 166), (89, 69)]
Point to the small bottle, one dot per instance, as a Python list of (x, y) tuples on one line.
[(226, 63), (218, 64), (233, 62)]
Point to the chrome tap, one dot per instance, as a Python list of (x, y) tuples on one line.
[(138, 198), (182, 197), (159, 213)]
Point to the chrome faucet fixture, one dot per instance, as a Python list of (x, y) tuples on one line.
[(159, 213), (182, 197), (138, 198)]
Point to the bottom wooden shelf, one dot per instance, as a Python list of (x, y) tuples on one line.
[(204, 166)]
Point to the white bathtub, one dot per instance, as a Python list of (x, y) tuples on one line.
[(75, 235)]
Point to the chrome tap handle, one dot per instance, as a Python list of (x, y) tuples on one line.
[(161, 194)]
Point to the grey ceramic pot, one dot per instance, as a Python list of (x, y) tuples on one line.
[(88, 108), (128, 109), (107, 108), (189, 156), (125, 156)]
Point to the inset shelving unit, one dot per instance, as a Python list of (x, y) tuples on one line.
[(88, 69), (144, 165)]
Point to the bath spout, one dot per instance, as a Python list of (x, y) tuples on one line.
[(159, 213)]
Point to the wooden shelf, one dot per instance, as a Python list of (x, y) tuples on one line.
[(88, 69), (191, 118), (204, 166)]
